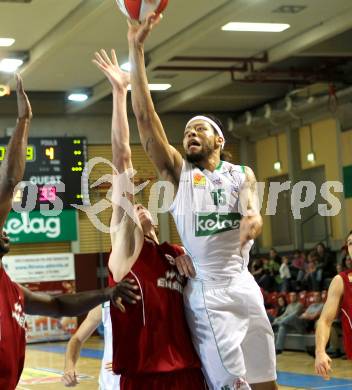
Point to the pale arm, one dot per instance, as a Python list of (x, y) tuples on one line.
[(126, 233), (166, 158), (12, 168), (322, 334), (74, 346)]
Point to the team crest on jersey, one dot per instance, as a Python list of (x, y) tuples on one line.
[(170, 259), (172, 280), (217, 181), (18, 315), (199, 180)]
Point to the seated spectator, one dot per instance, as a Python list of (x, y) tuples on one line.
[(278, 310), (346, 263), (257, 269), (310, 280), (285, 274), (275, 256), (298, 263), (293, 309), (281, 305), (325, 262), (270, 270), (300, 323)]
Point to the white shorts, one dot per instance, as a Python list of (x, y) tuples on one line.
[(231, 332)]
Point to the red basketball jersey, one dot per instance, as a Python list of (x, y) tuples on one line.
[(346, 311), (12, 332), (152, 336)]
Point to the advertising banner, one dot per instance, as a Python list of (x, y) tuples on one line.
[(36, 227), (49, 273)]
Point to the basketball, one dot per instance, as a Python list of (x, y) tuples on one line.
[(139, 9)]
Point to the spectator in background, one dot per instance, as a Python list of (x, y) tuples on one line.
[(293, 309), (274, 256), (299, 322), (325, 263), (311, 280), (278, 310), (270, 271), (281, 305), (257, 269), (285, 274), (298, 263), (346, 263)]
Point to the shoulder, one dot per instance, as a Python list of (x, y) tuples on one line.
[(337, 284), (249, 174)]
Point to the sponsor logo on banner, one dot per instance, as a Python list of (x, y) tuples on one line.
[(40, 268), (52, 273), (199, 180), (36, 227), (208, 224)]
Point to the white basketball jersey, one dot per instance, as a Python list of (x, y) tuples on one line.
[(107, 381), (207, 215)]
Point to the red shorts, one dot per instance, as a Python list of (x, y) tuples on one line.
[(176, 380)]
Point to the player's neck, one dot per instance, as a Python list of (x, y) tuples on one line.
[(211, 163), (152, 235)]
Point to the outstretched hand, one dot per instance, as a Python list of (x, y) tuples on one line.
[(118, 78), (185, 266), (323, 365), (23, 106), (70, 378), (138, 33), (124, 291)]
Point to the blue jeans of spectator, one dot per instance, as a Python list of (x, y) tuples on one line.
[(285, 285), (289, 324)]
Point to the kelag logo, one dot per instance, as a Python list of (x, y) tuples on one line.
[(35, 227), (207, 224)]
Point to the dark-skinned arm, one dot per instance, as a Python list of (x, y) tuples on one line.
[(166, 158), (252, 221), (70, 305), (12, 168)]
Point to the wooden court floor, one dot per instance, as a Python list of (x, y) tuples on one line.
[(45, 362)]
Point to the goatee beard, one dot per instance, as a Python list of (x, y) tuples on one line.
[(198, 157)]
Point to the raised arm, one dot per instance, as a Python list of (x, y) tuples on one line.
[(166, 158), (74, 346), (127, 236), (322, 333), (70, 305), (12, 168), (252, 222)]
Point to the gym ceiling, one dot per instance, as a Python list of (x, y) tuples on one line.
[(209, 69)]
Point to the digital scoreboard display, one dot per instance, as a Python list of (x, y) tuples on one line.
[(49, 163)]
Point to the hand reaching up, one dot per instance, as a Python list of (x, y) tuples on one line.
[(23, 106), (138, 33), (118, 78)]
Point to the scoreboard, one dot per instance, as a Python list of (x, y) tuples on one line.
[(49, 163)]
